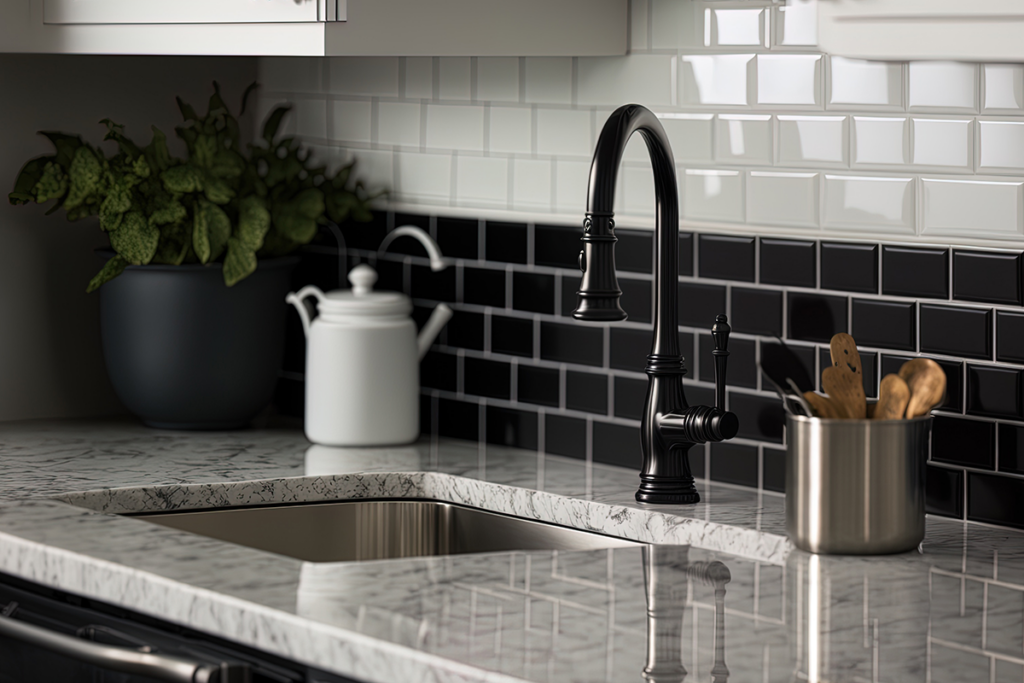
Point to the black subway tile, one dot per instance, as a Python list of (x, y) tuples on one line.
[(954, 378), (698, 395), (458, 237), (510, 427), (634, 252), (816, 317), (439, 371), (760, 417), (963, 442), (869, 365), (849, 267), (686, 253), (570, 285), (572, 343), (995, 499), (533, 292), (489, 378), (699, 305), (458, 419), (484, 287), (774, 469), (466, 330), (806, 356), (506, 242), (695, 457), (538, 385), (290, 397), (565, 436), (915, 272), (987, 276), (426, 414), (390, 276), (586, 392), (366, 235), (993, 391), (953, 331), (421, 314), (724, 257), (513, 336), (789, 262), (734, 464), (889, 324), (437, 286), (557, 246), (756, 311), (616, 444), (741, 369), (1010, 336), (630, 395), (637, 299), (1011, 448), (944, 492)]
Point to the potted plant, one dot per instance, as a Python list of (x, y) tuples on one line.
[(192, 294)]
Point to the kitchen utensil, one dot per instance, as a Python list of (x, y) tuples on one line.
[(927, 382), (798, 397), (855, 486), (362, 360), (893, 396), (846, 389), (793, 403), (823, 406), (844, 353), (778, 362)]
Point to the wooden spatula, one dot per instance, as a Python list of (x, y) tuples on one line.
[(844, 354), (893, 396), (823, 406), (846, 389), (927, 383)]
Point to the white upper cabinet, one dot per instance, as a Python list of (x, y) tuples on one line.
[(963, 30), (316, 27)]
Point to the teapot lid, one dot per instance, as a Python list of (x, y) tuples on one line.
[(362, 300)]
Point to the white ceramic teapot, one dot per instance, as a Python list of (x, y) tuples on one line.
[(362, 358)]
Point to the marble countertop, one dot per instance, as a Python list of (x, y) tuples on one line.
[(723, 597)]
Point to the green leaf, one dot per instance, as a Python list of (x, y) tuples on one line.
[(85, 173), (274, 122), (29, 176), (182, 179), (169, 212), (253, 222), (216, 102), (227, 164), (240, 262), (210, 232), (141, 167), (111, 269), (245, 96), (157, 154), (115, 131), (218, 191), (295, 227), (118, 200), (310, 203), (52, 185), (204, 150), (66, 146), (135, 240), (174, 243), (187, 112)]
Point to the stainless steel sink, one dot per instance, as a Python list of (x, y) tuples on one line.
[(381, 529)]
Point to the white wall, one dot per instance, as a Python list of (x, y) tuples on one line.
[(51, 364)]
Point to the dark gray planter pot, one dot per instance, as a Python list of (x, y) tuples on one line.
[(184, 351)]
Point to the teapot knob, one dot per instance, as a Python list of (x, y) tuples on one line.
[(362, 278)]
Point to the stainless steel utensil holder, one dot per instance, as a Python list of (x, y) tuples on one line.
[(856, 487)]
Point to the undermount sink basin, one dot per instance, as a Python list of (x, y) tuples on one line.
[(350, 531)]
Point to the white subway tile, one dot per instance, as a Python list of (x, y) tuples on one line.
[(531, 185), (788, 79), (636, 148), (310, 118), (861, 82), (454, 78), (942, 142), (1004, 86), (876, 204), (481, 181), (549, 80), (497, 79), (455, 127), (571, 185), (638, 39), (880, 140), (364, 76), (1000, 145), (952, 85), (738, 26), (510, 130), (350, 121), (782, 198), (690, 135), (564, 132), (419, 78), (970, 208), (744, 138), (643, 79), (716, 79), (676, 24), (264, 106), (638, 197), (291, 74), (398, 123), (812, 139), (323, 155), (375, 167), (797, 23), (713, 195), (423, 177)]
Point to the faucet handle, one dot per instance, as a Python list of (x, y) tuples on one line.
[(720, 331)]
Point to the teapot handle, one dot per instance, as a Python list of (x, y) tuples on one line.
[(298, 300)]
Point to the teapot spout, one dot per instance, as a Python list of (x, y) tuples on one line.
[(438, 319)]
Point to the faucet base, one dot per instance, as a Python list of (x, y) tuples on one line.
[(672, 492)]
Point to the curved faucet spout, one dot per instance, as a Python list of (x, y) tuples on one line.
[(670, 427)]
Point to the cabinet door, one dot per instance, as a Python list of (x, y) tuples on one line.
[(188, 11)]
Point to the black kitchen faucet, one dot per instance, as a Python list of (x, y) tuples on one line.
[(670, 426)]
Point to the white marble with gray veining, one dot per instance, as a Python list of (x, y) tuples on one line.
[(946, 613)]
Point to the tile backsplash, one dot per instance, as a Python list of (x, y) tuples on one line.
[(818, 194)]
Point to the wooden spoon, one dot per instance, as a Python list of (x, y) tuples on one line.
[(927, 383), (846, 389), (893, 396), (844, 354), (823, 406)]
